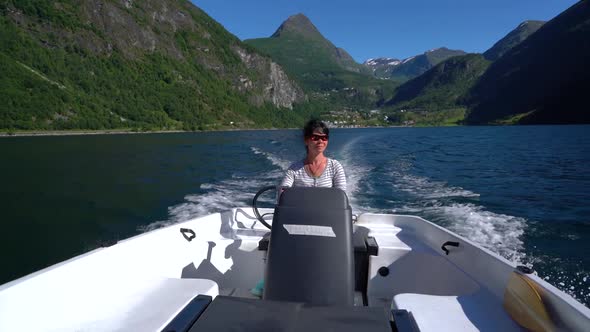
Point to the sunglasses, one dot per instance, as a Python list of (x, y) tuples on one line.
[(316, 138)]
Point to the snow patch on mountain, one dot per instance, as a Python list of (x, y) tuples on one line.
[(408, 59), (379, 62)]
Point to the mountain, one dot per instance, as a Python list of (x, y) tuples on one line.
[(133, 64), (382, 67), (544, 79), (314, 47), (515, 37), (442, 86), (300, 25), (410, 67), (325, 71)]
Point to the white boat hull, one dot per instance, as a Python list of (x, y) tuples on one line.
[(141, 283)]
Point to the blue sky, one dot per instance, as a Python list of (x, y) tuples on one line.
[(388, 28)]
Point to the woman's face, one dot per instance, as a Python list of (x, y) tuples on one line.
[(317, 142)]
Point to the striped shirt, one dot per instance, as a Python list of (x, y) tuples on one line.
[(333, 176)]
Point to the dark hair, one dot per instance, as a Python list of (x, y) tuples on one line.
[(313, 125)]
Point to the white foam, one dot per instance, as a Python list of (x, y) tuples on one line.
[(218, 197), (499, 233), (275, 160), (429, 189), (354, 171), (223, 195)]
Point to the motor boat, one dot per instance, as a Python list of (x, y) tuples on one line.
[(323, 269)]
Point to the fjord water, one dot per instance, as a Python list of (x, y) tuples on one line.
[(523, 192)]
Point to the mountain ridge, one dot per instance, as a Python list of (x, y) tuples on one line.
[(298, 24), (411, 67), (513, 38)]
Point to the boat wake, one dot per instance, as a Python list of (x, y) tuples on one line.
[(449, 206), (497, 232), (355, 173), (275, 160), (428, 189), (456, 208), (225, 194)]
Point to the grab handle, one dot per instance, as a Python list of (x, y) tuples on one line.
[(449, 243), (188, 234)]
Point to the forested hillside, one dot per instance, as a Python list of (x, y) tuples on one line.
[(419, 64), (443, 85), (544, 79), (133, 64), (515, 37), (537, 73)]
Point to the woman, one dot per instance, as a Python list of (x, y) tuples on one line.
[(316, 170)]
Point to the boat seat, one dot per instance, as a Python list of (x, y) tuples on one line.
[(159, 300), (227, 313), (474, 312), (114, 302), (247, 294), (310, 256)]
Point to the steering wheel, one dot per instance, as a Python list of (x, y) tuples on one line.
[(255, 206)]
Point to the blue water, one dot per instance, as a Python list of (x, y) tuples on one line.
[(523, 192)]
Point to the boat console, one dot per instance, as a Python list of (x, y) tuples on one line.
[(310, 274), (310, 258)]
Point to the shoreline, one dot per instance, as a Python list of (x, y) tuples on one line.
[(118, 132), (82, 132), (41, 133), (124, 132)]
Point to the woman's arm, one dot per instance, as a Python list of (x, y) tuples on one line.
[(289, 178), (339, 180)]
